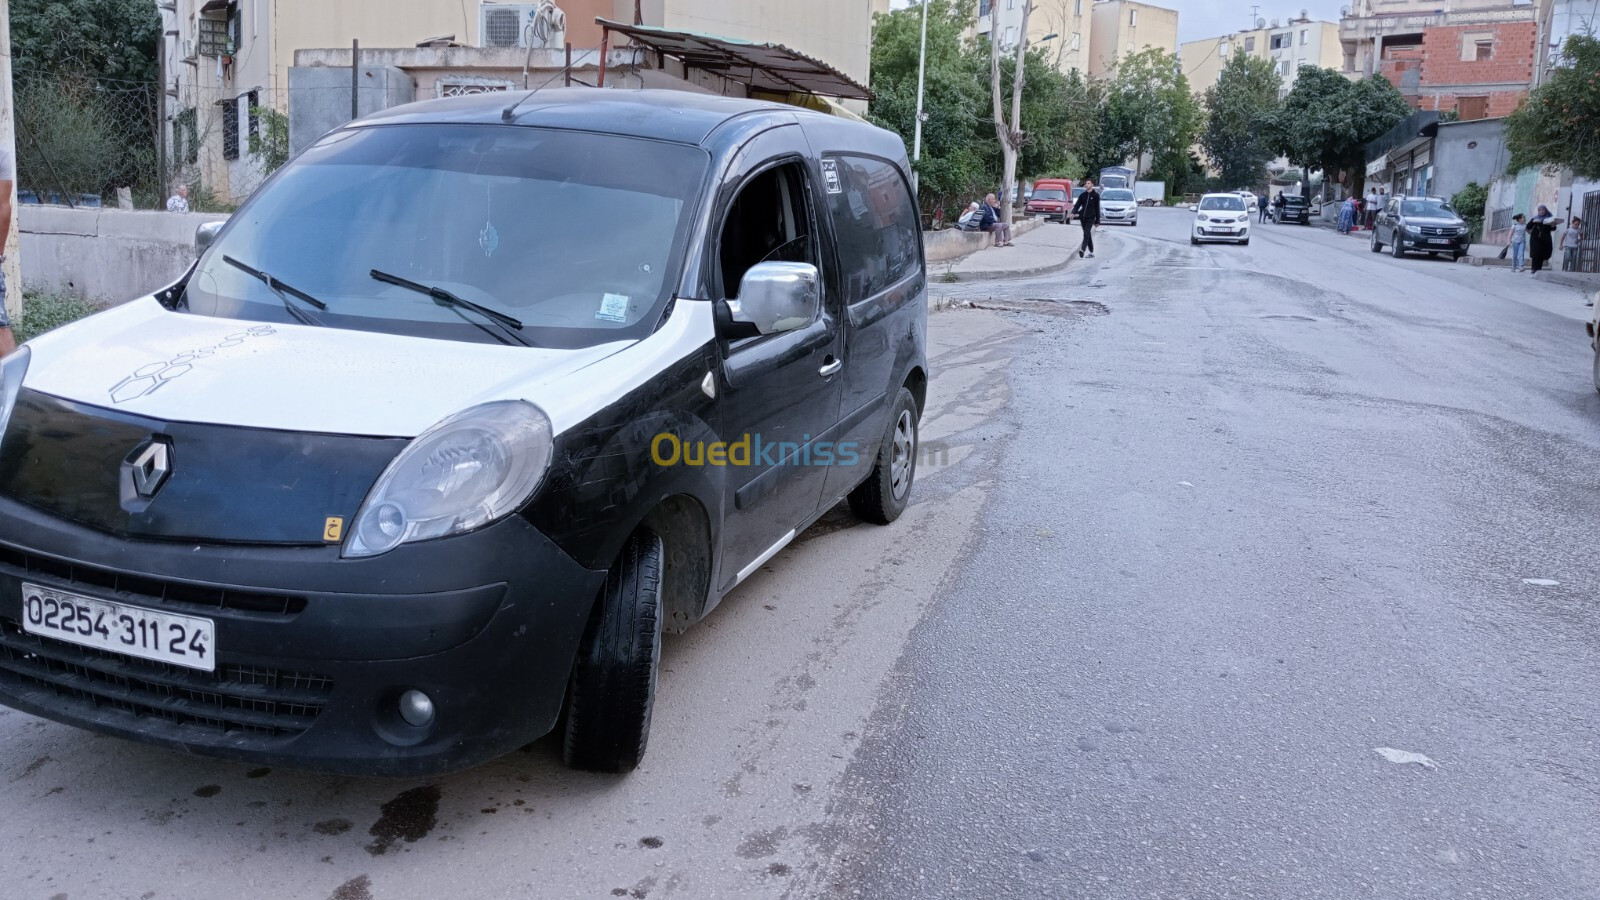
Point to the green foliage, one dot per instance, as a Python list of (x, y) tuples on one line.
[(43, 312), (271, 141), (1148, 107), (68, 141), (1241, 107), (1470, 202), (1327, 120), (1559, 123), (115, 39)]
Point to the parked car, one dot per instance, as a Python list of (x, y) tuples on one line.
[(1050, 199), (1421, 225), (1294, 209), (1118, 207), (1594, 336), (406, 467), (1221, 217)]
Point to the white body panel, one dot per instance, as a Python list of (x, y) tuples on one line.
[(143, 359)]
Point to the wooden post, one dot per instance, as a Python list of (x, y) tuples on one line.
[(568, 72), (605, 47)]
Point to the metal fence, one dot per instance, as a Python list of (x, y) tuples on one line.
[(83, 140), (1500, 219), (1589, 242)]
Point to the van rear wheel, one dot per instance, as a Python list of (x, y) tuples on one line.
[(613, 688), (887, 491)]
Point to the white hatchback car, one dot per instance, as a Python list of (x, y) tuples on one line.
[(1221, 217)]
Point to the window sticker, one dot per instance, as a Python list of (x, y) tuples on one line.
[(830, 176), (613, 308)]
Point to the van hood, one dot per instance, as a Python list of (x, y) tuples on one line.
[(143, 359)]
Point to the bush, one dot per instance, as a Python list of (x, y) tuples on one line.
[(43, 312), (1469, 203)]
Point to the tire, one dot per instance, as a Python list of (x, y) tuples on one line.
[(613, 687), (1456, 257), (887, 491), (1394, 248), (1194, 241), (1377, 245), (1245, 242)]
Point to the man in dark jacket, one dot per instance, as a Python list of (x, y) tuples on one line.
[(1087, 212)]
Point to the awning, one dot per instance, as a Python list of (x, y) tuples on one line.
[(217, 5), (766, 67)]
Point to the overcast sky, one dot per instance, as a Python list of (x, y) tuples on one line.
[(1210, 18)]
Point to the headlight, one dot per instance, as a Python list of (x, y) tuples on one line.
[(1204, 219), (471, 469), (12, 370)]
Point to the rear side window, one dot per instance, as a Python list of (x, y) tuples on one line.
[(880, 234)]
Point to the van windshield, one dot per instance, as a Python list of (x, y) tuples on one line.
[(1049, 194), (577, 237), (1224, 201)]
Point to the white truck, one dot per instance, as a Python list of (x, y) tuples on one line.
[(1150, 193)]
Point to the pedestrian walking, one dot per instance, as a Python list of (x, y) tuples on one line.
[(1087, 210), (1277, 207), (1541, 238), (990, 221), (1519, 241), (179, 201), (1372, 207), (8, 176), (1262, 204), (1571, 236)]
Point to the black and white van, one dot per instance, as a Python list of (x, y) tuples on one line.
[(469, 403)]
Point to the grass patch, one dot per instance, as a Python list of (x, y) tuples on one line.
[(43, 312)]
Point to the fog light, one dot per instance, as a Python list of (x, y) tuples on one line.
[(416, 708)]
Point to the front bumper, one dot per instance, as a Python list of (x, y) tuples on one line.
[(1222, 232), (313, 651), (1126, 217), (1423, 243)]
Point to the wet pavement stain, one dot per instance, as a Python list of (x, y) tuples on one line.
[(357, 888), (258, 773), (762, 843), (651, 843), (408, 817), (208, 790), (33, 767), (332, 826)]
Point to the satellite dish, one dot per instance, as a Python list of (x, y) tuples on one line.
[(1344, 12), (1261, 23)]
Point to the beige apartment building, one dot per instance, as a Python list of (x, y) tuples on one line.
[(1122, 27), (225, 58), (1059, 27), (1290, 45)]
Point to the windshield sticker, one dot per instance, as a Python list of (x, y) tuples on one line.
[(613, 308), (830, 176), (150, 378)]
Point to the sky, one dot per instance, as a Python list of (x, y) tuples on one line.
[(1210, 18)]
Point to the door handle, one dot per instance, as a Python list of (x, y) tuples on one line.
[(831, 368)]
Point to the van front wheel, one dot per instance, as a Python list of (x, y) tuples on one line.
[(887, 491), (614, 680)]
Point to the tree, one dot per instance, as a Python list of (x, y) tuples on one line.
[(1327, 121), (956, 154), (1009, 131), (1469, 203), (1559, 123), (111, 40), (1148, 108), (1240, 108)]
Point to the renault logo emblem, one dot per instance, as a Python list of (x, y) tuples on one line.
[(146, 469)]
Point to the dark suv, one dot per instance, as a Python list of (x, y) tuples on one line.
[(1295, 208), (1421, 225)]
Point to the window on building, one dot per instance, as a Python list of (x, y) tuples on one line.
[(1305, 36), (186, 136), (1077, 7), (1133, 18), (1011, 4), (1010, 37), (1470, 109), (983, 8), (213, 34), (1477, 46), (1077, 40), (230, 128), (254, 128), (1280, 41), (1283, 68), (1249, 45), (463, 87), (1225, 49)]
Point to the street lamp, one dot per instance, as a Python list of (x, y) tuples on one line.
[(922, 67)]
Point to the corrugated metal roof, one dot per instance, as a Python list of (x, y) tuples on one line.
[(767, 67)]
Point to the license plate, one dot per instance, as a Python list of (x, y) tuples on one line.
[(161, 636), (1439, 241)]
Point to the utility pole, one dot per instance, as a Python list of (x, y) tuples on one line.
[(355, 80), (8, 143), (922, 68)]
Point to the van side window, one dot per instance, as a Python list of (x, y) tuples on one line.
[(880, 233), (769, 222)]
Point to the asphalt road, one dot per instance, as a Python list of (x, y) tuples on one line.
[(1196, 531)]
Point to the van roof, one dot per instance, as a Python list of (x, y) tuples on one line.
[(667, 115)]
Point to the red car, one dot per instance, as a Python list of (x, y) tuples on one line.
[(1052, 198)]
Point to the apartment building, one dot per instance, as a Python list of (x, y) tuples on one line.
[(1289, 45), (1122, 27), (225, 59), (1060, 27)]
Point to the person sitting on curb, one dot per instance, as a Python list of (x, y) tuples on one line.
[(969, 218), (990, 211)]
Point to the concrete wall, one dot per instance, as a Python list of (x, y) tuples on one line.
[(105, 255), (952, 244), (320, 98), (1464, 152), (1120, 27)]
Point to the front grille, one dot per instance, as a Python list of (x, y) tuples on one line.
[(232, 702), (152, 591), (1431, 231)]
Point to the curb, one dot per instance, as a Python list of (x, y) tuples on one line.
[(1001, 275)]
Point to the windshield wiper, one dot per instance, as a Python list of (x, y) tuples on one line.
[(283, 291), (510, 326)]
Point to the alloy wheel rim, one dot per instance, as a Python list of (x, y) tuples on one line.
[(902, 455)]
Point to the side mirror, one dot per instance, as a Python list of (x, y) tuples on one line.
[(777, 296), (205, 236)]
